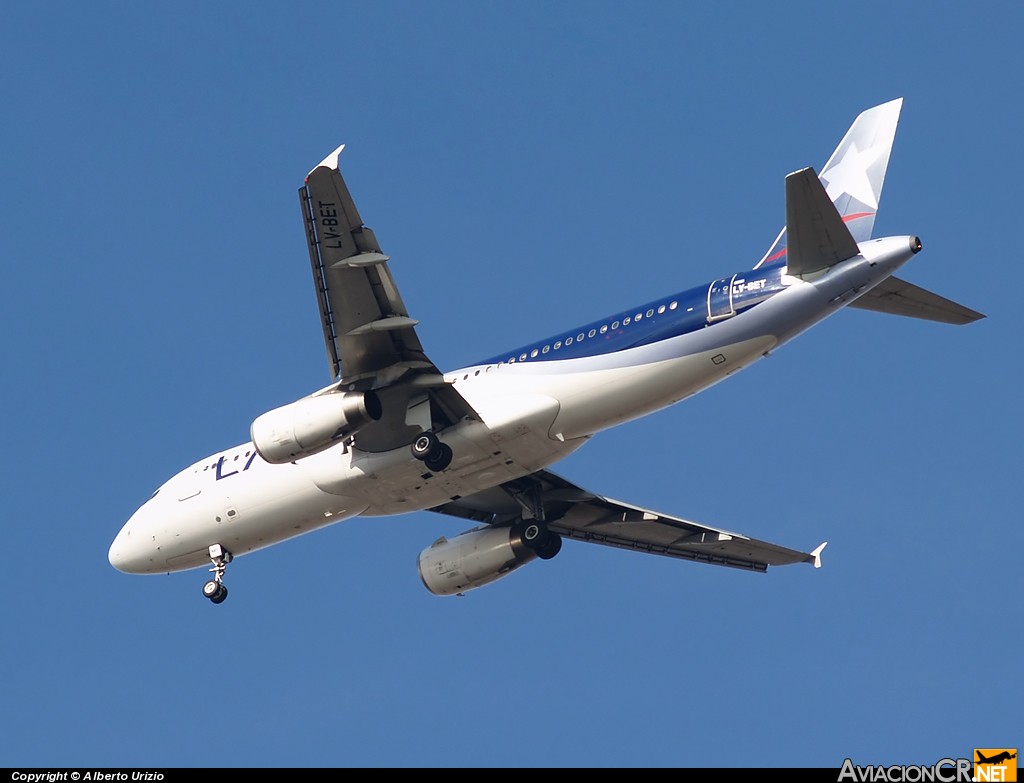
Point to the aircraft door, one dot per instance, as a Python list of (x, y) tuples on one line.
[(720, 299)]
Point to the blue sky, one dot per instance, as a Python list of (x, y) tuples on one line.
[(527, 166)]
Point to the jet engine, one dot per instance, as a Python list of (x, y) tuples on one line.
[(312, 424), (472, 559)]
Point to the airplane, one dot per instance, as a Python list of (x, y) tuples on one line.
[(393, 434), (996, 759)]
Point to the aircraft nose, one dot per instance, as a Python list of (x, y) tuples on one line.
[(118, 553), (125, 554)]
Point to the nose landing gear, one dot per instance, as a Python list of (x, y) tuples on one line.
[(215, 589)]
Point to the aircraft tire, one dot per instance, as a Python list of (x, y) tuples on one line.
[(441, 460), (551, 547), (534, 535), (426, 447)]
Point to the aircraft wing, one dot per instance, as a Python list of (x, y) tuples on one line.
[(370, 338), (573, 512)]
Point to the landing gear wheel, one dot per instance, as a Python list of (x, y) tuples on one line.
[(425, 446), (533, 535), (551, 547), (442, 460), (215, 591), (536, 536), (432, 452)]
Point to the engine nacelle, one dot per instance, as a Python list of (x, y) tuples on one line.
[(312, 424), (472, 559)]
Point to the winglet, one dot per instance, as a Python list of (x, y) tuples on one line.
[(331, 161), (816, 554)]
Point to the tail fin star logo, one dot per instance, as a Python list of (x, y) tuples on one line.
[(851, 175), (998, 765)]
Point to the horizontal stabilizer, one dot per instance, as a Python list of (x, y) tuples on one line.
[(818, 238), (898, 297)]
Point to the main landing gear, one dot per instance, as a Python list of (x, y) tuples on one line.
[(533, 529), (536, 536), (429, 450), (215, 589)]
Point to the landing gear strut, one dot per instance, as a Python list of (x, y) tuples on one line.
[(533, 530), (215, 589), (432, 452)]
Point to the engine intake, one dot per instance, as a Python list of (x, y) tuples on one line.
[(472, 559), (312, 424)]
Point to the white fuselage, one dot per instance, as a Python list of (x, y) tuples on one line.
[(531, 414)]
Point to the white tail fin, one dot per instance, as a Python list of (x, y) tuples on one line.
[(854, 174)]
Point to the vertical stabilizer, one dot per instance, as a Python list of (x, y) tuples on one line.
[(854, 174)]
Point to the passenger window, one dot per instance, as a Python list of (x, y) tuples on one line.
[(638, 316), (522, 357), (625, 321), (558, 345), (592, 332), (615, 326), (673, 306), (568, 341), (533, 353), (579, 337), (661, 309), (546, 349), (650, 313), (604, 328)]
